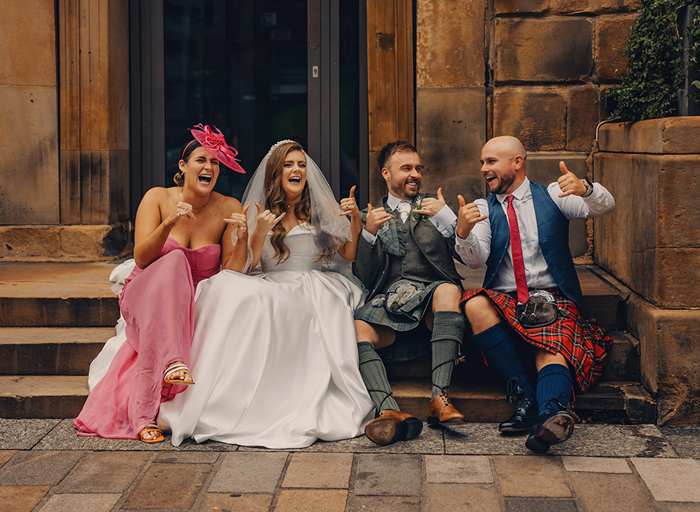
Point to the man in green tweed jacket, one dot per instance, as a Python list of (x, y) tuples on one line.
[(405, 258)]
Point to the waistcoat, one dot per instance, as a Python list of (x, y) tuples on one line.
[(414, 265), (553, 236)]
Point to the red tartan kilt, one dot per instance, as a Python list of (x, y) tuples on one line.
[(582, 342)]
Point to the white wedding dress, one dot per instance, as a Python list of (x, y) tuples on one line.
[(274, 356)]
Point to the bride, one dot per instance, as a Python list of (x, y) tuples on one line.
[(275, 354)]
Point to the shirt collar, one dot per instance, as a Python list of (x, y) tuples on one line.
[(519, 193), (393, 201)]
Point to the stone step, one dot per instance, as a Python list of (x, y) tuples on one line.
[(36, 294), (611, 402), (623, 362), (620, 402), (50, 350), (57, 295), (32, 396)]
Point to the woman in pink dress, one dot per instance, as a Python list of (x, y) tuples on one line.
[(182, 235)]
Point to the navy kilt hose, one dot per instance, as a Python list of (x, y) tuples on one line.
[(583, 343)]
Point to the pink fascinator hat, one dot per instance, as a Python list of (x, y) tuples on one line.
[(216, 145)]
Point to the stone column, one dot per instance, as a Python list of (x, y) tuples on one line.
[(29, 187), (651, 242), (67, 138)]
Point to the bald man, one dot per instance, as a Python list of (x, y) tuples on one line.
[(531, 292)]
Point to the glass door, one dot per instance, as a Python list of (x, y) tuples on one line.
[(261, 71)]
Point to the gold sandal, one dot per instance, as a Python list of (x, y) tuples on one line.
[(147, 434), (178, 367)]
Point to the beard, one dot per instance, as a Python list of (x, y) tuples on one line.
[(399, 189), (504, 183)]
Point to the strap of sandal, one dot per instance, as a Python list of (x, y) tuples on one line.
[(175, 368)]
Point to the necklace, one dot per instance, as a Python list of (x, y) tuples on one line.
[(200, 207)]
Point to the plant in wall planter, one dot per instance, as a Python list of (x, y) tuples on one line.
[(660, 57)]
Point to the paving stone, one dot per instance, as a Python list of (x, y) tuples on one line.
[(382, 504), (166, 486), (458, 469), (104, 472), (615, 441), (6, 455), (481, 497), (482, 439), (531, 477), (21, 498), (249, 472), (596, 464), (605, 492), (429, 441), (319, 470), (237, 502), (540, 505), (38, 468), (671, 479), (186, 458), (685, 440), (74, 502), (292, 500), (390, 474), (64, 437), (23, 434)]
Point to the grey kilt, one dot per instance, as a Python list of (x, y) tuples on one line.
[(406, 347)]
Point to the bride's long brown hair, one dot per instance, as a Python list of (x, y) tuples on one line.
[(275, 202)]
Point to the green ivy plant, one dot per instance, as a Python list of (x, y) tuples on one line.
[(655, 55)]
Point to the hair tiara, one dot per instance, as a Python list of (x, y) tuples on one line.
[(277, 144)]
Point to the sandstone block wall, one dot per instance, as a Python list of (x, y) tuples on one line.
[(451, 95), (550, 62), (651, 242), (535, 69)]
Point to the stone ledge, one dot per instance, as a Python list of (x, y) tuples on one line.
[(66, 243), (670, 358), (670, 135)]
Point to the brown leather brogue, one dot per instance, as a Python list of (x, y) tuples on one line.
[(441, 411), (391, 426)]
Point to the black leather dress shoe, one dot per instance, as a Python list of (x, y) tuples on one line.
[(551, 428), (523, 418)]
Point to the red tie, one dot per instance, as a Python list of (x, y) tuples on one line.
[(518, 265)]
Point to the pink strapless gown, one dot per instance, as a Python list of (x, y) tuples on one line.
[(158, 305)]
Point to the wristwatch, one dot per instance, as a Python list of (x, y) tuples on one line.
[(589, 187)]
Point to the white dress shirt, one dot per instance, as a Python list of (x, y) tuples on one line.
[(475, 249), (445, 221)]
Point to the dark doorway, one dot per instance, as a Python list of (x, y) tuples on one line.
[(261, 71)]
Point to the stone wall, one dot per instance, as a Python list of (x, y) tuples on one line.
[(535, 69), (651, 242)]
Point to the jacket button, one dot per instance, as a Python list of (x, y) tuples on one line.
[(405, 262)]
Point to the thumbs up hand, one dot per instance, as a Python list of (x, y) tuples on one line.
[(569, 183), (430, 205)]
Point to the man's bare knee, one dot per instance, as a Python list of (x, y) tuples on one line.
[(480, 313), (378, 335), (446, 298), (544, 358)]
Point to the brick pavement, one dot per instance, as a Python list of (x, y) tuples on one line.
[(45, 467)]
